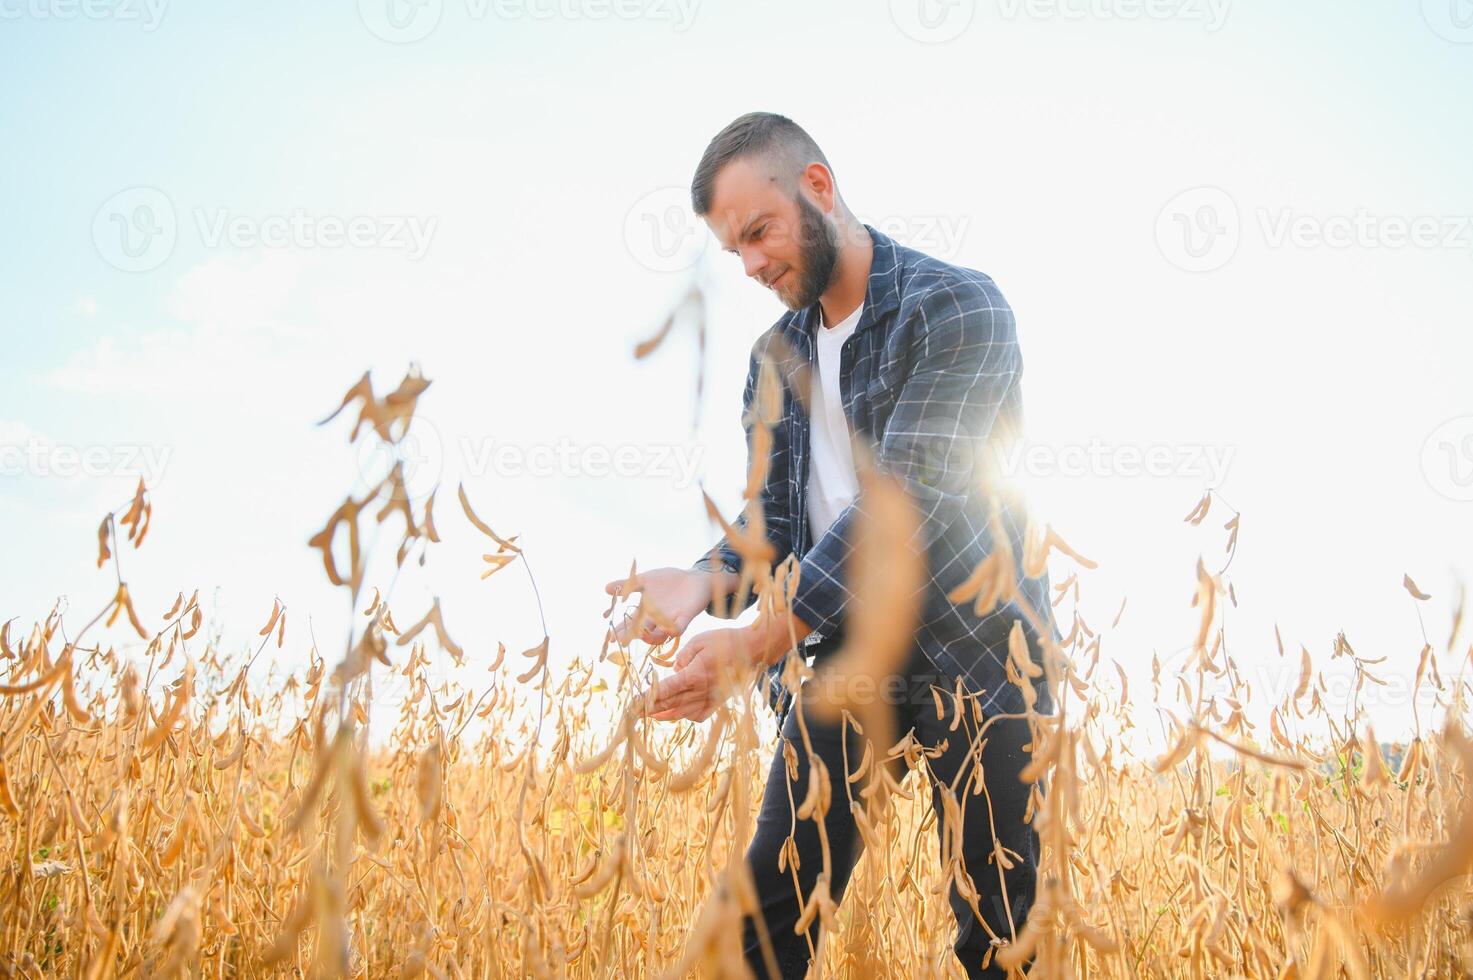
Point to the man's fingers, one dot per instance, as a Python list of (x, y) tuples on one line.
[(686, 705), (669, 690), (696, 706), (679, 694), (667, 706), (617, 586), (649, 633)]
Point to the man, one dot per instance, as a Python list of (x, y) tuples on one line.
[(919, 357)]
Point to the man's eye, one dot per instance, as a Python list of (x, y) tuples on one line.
[(759, 232)]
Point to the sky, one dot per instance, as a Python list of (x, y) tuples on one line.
[(1237, 239)]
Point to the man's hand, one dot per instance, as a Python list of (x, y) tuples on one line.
[(708, 662), (705, 667), (680, 594)]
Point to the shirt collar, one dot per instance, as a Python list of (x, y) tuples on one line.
[(881, 294)]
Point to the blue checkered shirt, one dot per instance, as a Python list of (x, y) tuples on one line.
[(930, 378)]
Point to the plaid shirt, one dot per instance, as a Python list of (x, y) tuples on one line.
[(930, 378)]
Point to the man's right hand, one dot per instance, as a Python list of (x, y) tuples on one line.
[(680, 594)]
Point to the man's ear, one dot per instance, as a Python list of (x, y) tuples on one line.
[(819, 182)]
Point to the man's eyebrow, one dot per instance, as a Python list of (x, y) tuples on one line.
[(747, 228), (760, 215)]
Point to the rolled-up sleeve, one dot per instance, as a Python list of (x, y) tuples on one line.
[(964, 359)]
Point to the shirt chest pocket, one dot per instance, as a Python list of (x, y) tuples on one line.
[(881, 393)]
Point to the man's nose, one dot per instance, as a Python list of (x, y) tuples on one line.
[(753, 262)]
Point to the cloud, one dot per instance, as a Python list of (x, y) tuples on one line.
[(229, 317)]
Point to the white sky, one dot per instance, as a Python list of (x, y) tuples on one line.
[(1057, 147)]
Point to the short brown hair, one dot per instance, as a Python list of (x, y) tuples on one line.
[(755, 134)]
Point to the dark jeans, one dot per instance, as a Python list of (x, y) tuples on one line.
[(1002, 757)]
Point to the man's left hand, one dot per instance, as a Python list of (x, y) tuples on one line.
[(705, 666)]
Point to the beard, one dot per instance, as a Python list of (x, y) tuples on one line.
[(818, 244)]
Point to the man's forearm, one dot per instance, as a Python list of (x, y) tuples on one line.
[(769, 637), (721, 585)]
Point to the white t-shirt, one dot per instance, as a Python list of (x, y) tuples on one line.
[(832, 482)]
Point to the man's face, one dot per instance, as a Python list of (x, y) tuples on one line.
[(787, 245)]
